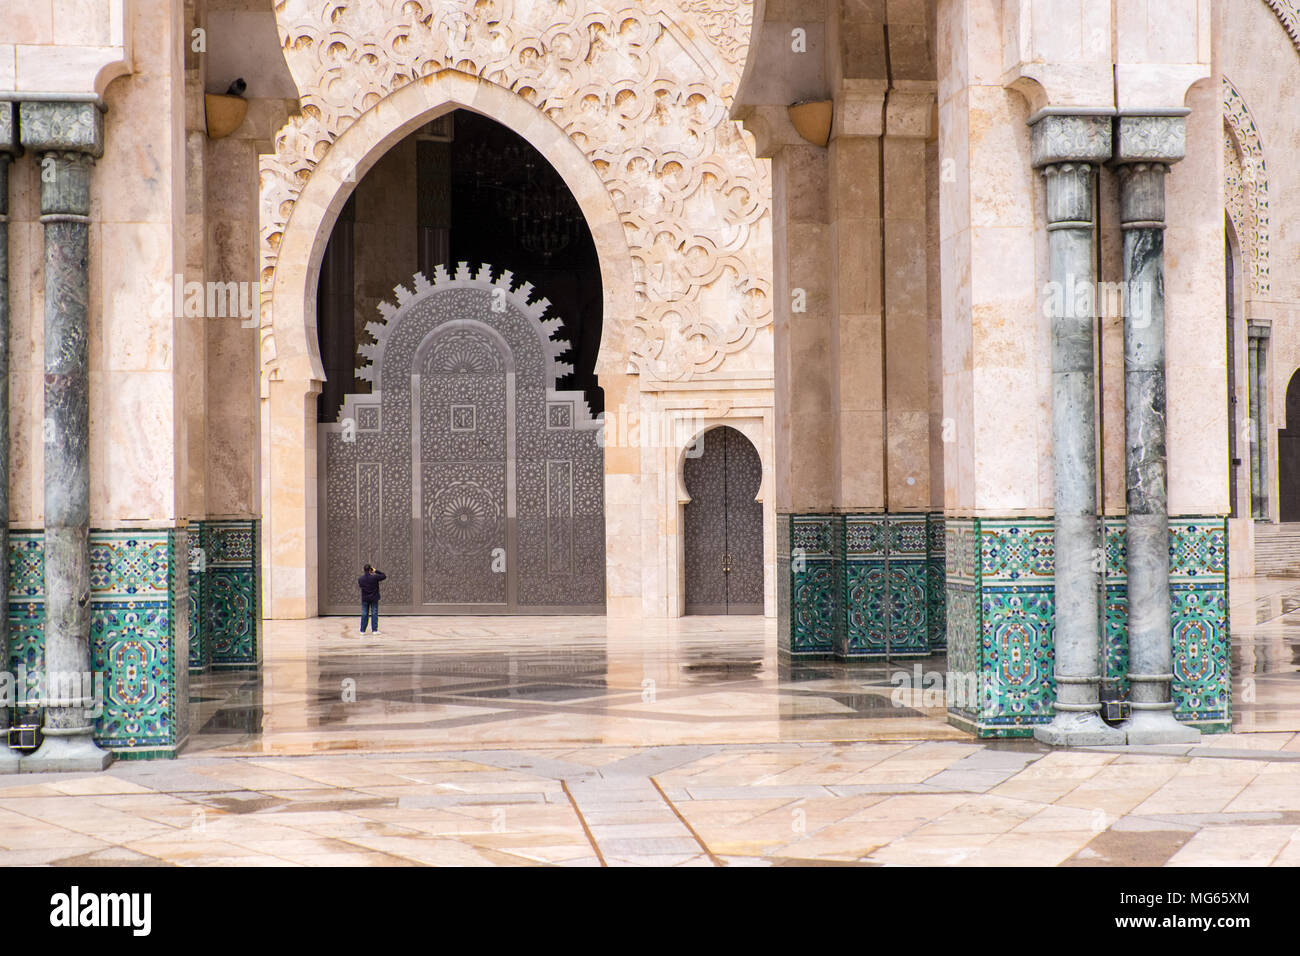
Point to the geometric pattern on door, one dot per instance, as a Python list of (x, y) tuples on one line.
[(723, 526), (466, 476)]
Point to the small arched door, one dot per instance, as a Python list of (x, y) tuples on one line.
[(724, 526), (1288, 455)]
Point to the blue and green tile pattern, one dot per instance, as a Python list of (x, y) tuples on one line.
[(861, 587), (139, 633), (224, 607), (164, 602), (1000, 620)]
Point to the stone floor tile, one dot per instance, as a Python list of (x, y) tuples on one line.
[(1235, 846)]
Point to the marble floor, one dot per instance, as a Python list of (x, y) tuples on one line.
[(1265, 627), (936, 802), (432, 683), (593, 741)]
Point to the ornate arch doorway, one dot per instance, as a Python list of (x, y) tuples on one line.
[(456, 451), (465, 475), (724, 526)]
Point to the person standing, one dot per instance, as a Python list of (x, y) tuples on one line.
[(369, 584)]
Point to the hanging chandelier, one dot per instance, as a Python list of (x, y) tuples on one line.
[(542, 213)]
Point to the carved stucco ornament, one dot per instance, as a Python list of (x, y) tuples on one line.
[(1288, 13), (1246, 188), (640, 88)]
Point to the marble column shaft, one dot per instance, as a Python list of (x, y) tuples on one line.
[(1067, 148), (65, 205), (1145, 146), (1074, 426), (1142, 215), (7, 148), (66, 138)]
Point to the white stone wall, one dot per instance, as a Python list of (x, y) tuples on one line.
[(1255, 53)]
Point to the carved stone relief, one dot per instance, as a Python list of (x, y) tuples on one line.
[(637, 87), (1246, 188)]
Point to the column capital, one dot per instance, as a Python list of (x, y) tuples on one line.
[(1063, 137), (9, 145), (1151, 137), (59, 125), (1255, 330)]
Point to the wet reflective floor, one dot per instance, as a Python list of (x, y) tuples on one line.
[(597, 742), (448, 683), (430, 683), (1265, 628)]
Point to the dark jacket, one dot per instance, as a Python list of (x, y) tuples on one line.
[(369, 584)]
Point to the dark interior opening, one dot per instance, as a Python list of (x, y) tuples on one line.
[(473, 191)]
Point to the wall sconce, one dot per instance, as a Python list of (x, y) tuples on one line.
[(224, 114), (812, 120)]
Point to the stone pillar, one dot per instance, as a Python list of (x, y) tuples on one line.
[(67, 138), (1067, 148), (906, 342), (808, 572), (912, 586), (1257, 339), (1145, 147), (8, 150)]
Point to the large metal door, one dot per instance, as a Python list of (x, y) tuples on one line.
[(466, 476), (724, 526), (464, 456)]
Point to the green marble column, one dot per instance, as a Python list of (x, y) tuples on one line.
[(8, 150), (66, 137), (1067, 148), (1145, 148)]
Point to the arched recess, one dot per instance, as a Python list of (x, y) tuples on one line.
[(1288, 455), (755, 427), (291, 367), (1247, 214), (722, 525)]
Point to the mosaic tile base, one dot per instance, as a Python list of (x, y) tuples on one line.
[(937, 631), (228, 607), (854, 581), (139, 641), (1000, 621), (815, 583), (885, 597), (200, 656)]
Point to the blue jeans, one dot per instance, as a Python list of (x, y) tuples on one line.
[(370, 609)]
